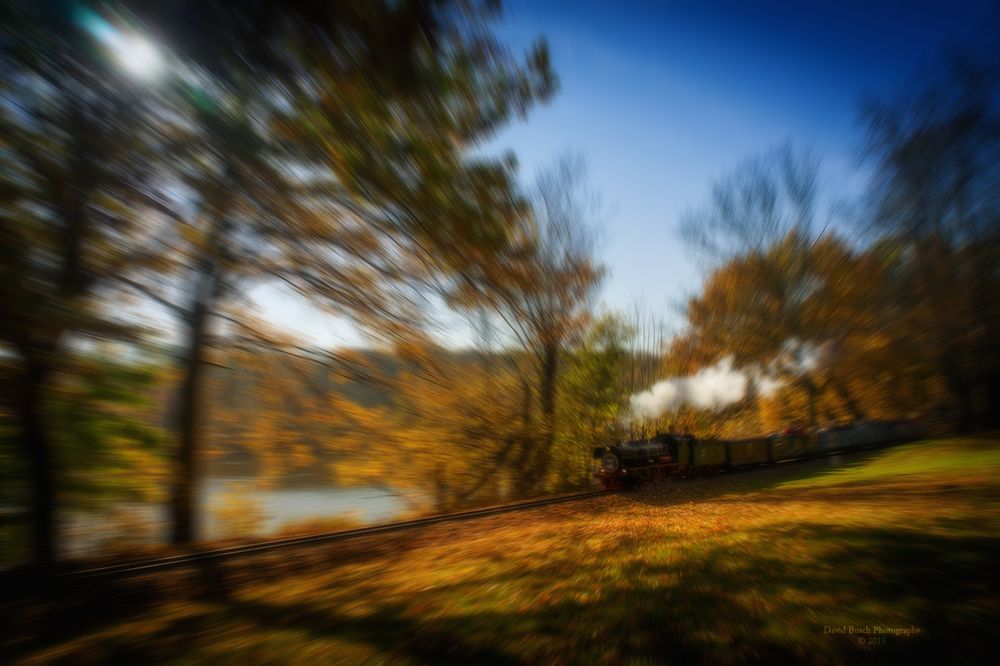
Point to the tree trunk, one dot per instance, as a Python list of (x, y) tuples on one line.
[(184, 501), (526, 408), (207, 289), (547, 399), (191, 402), (39, 455)]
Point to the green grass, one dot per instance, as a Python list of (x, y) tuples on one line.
[(947, 458), (749, 567)]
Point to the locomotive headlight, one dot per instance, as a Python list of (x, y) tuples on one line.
[(610, 462)]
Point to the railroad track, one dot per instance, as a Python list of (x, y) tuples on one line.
[(162, 563)]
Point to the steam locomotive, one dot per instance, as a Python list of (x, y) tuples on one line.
[(666, 454)]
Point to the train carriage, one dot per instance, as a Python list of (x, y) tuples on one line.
[(832, 439), (811, 445), (789, 447), (748, 452), (708, 454)]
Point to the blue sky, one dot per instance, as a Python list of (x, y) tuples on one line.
[(661, 99)]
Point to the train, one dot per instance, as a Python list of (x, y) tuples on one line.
[(625, 465)]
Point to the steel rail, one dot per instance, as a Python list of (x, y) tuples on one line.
[(157, 564)]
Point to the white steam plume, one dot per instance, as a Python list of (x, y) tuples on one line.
[(766, 385), (714, 387)]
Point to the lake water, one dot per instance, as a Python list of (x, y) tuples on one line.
[(287, 505), (225, 502)]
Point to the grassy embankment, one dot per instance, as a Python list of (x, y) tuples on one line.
[(747, 567)]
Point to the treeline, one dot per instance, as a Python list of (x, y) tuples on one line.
[(893, 312)]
